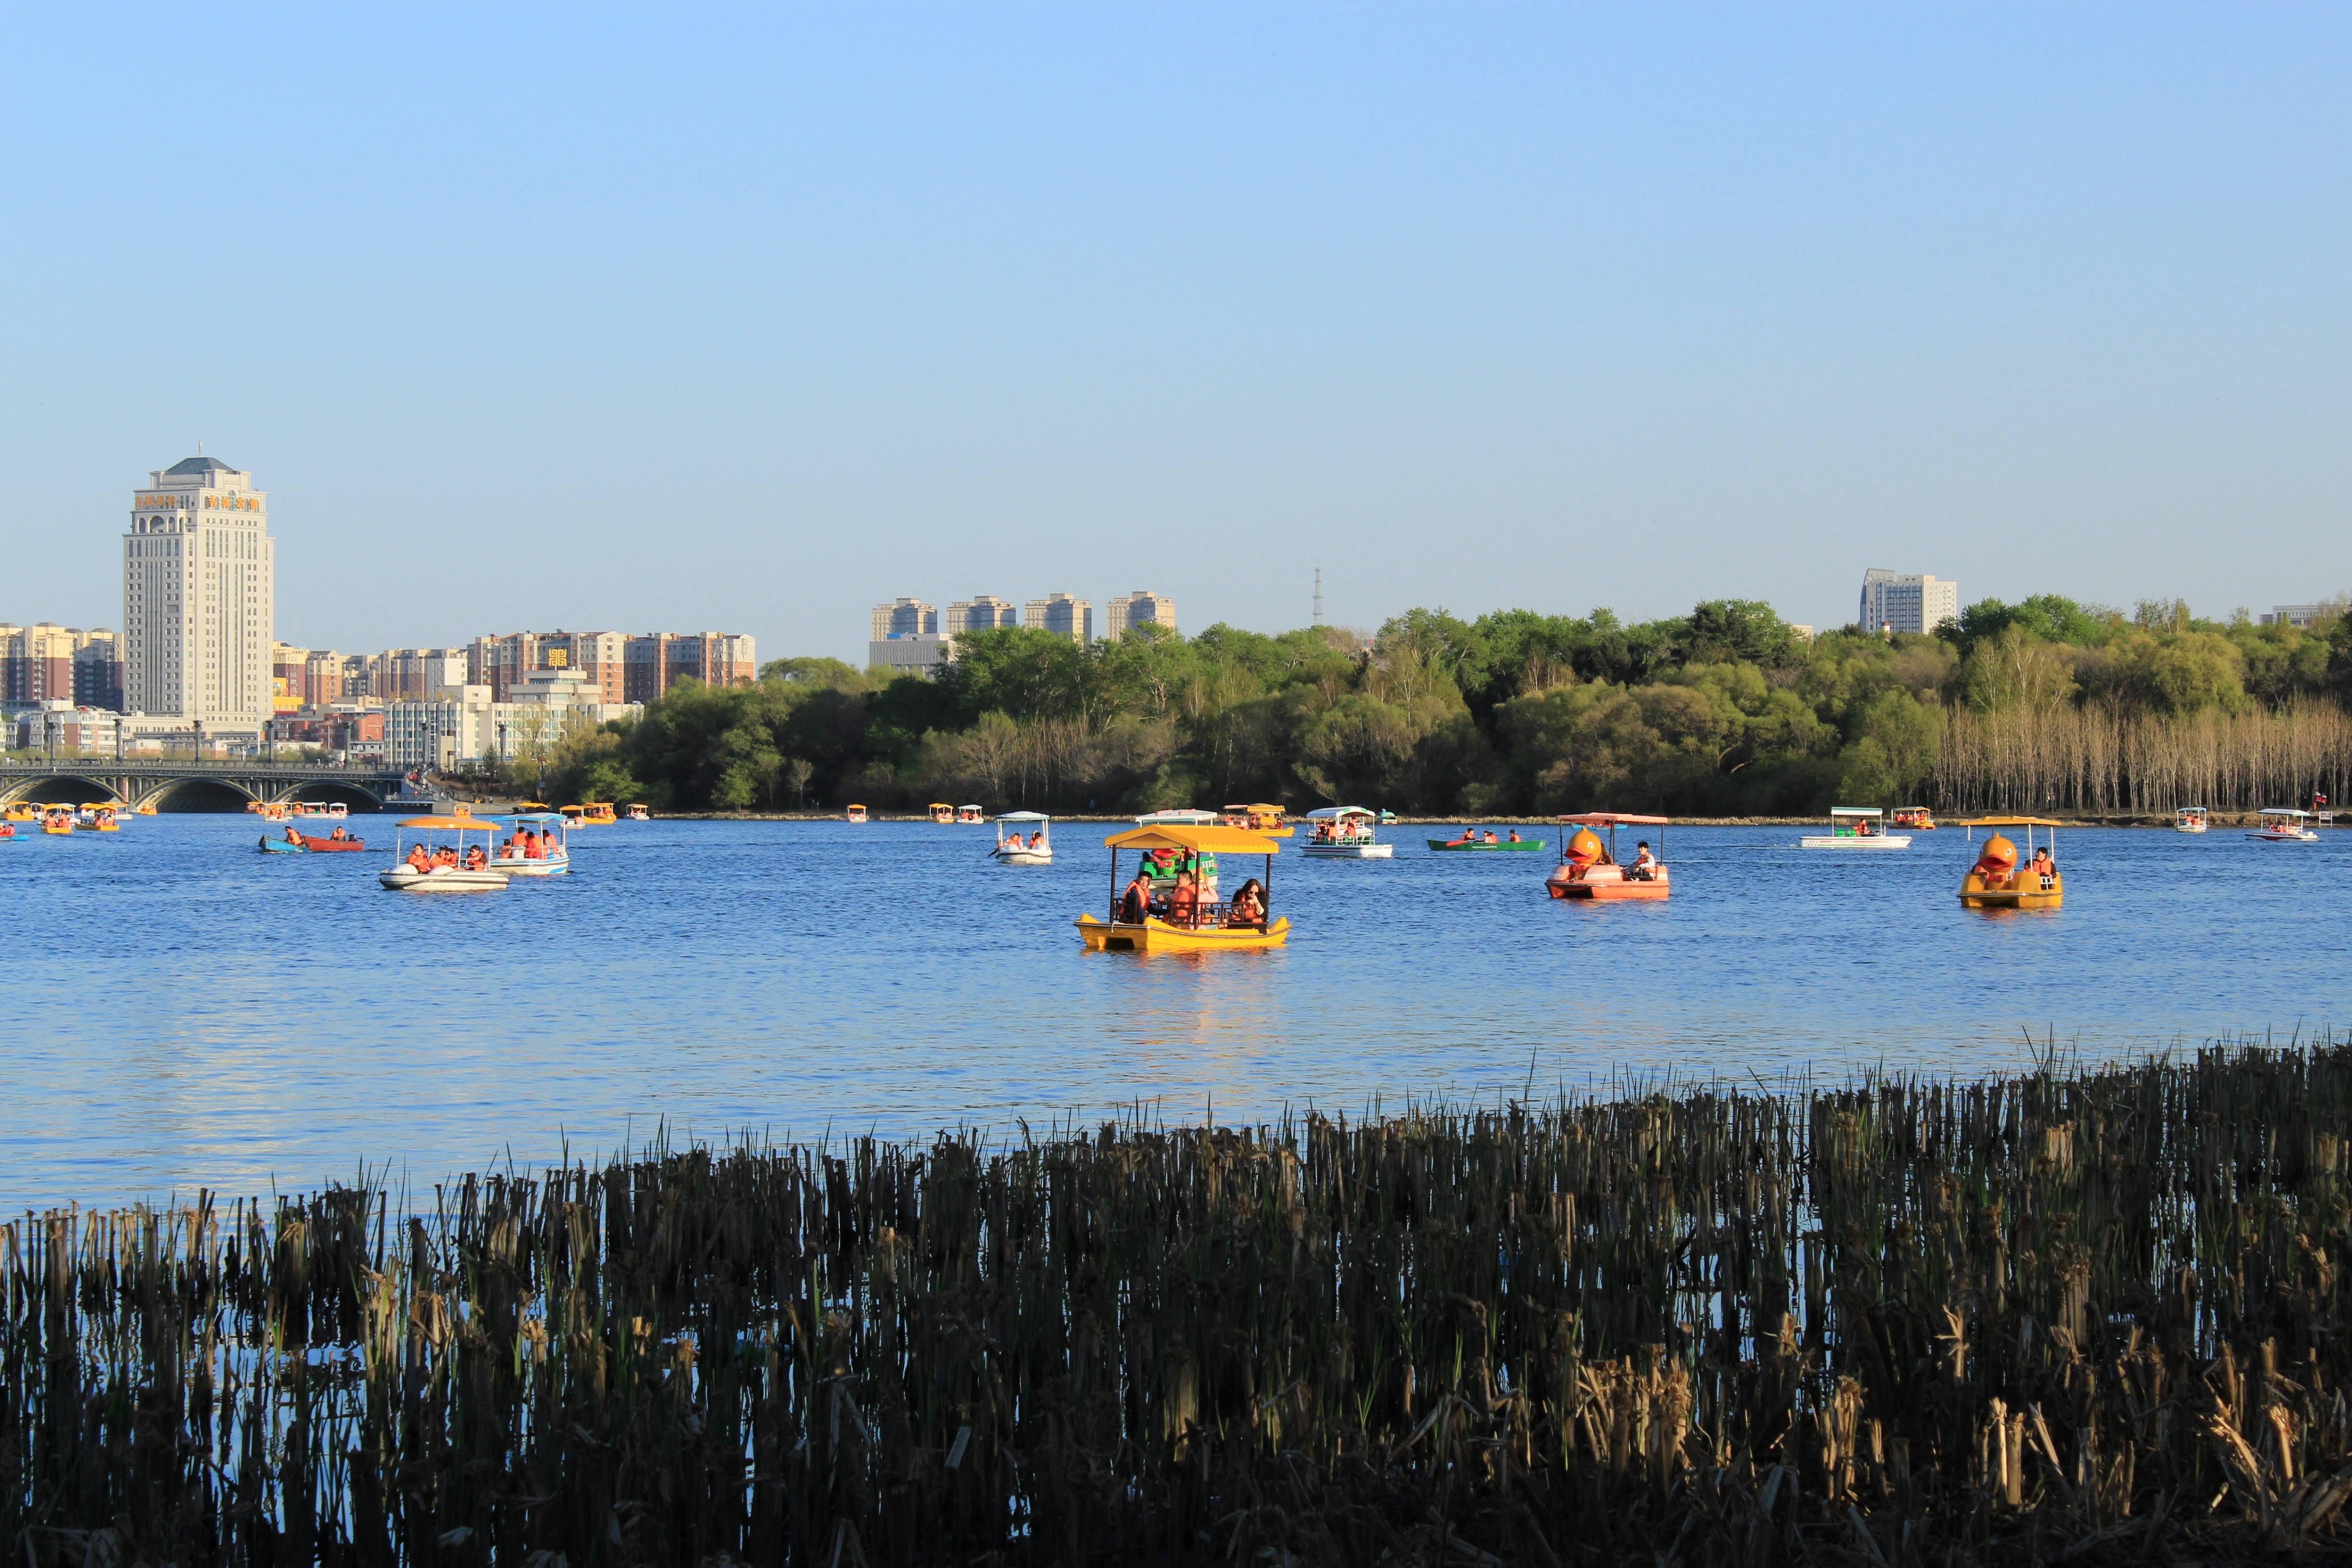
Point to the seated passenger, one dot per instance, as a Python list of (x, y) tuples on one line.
[(293, 835), (1645, 865), (2044, 865), (1248, 907), (1136, 903), (1491, 839), (1184, 903), (1515, 836), (418, 860)]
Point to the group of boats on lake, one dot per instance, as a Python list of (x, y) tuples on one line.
[(60, 819), (1173, 902)]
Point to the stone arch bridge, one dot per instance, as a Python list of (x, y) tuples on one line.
[(137, 782)]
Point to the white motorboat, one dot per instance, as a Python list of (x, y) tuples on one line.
[(1177, 819), (1344, 832), (2191, 819), (1856, 827), (969, 816), (2285, 825), (405, 875), (1036, 849), (553, 831)]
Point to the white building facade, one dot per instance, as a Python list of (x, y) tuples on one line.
[(1142, 607), (1895, 601), (1062, 616), (199, 596)]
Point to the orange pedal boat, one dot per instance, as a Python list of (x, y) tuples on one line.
[(1589, 869)]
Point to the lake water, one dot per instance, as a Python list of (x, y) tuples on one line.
[(184, 1011)]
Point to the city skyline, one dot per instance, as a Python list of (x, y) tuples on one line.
[(1465, 309)]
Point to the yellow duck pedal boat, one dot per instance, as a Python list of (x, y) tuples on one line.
[(2002, 879)]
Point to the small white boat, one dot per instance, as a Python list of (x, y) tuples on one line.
[(855, 814), (2191, 819), (553, 831), (1855, 827), (1036, 849), (2285, 825), (637, 813), (969, 816), (1177, 819), (335, 809), (1344, 832), (405, 877)]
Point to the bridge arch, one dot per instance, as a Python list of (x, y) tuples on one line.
[(59, 786), (197, 794)]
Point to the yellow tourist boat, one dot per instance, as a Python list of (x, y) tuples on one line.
[(104, 820), (57, 819), (2003, 880), (1139, 923), (943, 814), (855, 814), (21, 811), (144, 808), (1258, 816), (596, 814)]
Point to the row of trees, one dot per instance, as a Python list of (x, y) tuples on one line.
[(1722, 711)]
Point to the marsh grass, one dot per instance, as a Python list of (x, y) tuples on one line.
[(2093, 1312)]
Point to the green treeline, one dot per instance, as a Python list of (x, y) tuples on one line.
[(1723, 712)]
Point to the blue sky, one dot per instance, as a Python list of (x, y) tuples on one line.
[(704, 318)]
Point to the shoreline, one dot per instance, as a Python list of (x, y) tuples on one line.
[(2115, 819)]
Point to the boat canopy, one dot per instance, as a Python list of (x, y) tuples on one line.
[(1023, 817), (531, 816), (1324, 812), (1179, 819), (2010, 822), (464, 822), (940, 806), (1210, 839), (2282, 811), (1852, 811), (1616, 819), (972, 807)]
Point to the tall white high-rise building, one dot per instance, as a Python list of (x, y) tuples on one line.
[(199, 596), (1893, 601)]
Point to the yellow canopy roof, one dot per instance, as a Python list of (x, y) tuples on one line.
[(464, 822), (1209, 840), (2010, 822)]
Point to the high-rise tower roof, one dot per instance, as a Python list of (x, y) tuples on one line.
[(200, 465)]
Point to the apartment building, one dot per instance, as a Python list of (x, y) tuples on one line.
[(198, 596), (1062, 616), (1899, 602), (1142, 607), (981, 612)]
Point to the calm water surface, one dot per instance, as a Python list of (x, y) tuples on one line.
[(184, 1011)]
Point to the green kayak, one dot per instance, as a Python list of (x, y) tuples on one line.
[(1456, 844)]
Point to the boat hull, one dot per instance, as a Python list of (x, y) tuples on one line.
[(514, 865), (2306, 836), (319, 844), (279, 846), (1157, 936), (1448, 847), (1022, 857), (1876, 841), (1609, 884), (406, 879), (2024, 891), (1349, 851)]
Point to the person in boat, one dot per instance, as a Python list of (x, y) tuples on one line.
[(294, 836), (1184, 903), (1248, 908), (418, 860), (474, 857), (1645, 865), (1515, 836), (533, 846), (339, 834), (1136, 903), (2045, 865), (445, 858)]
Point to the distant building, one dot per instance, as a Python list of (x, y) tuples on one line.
[(1142, 607), (198, 596), (37, 664), (1062, 616), (2304, 616), (63, 728), (464, 725), (904, 635), (904, 618), (98, 670), (1798, 628), (981, 612), (653, 663), (1892, 601)]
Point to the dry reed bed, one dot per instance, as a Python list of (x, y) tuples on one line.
[(2100, 758), (2099, 1313)]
